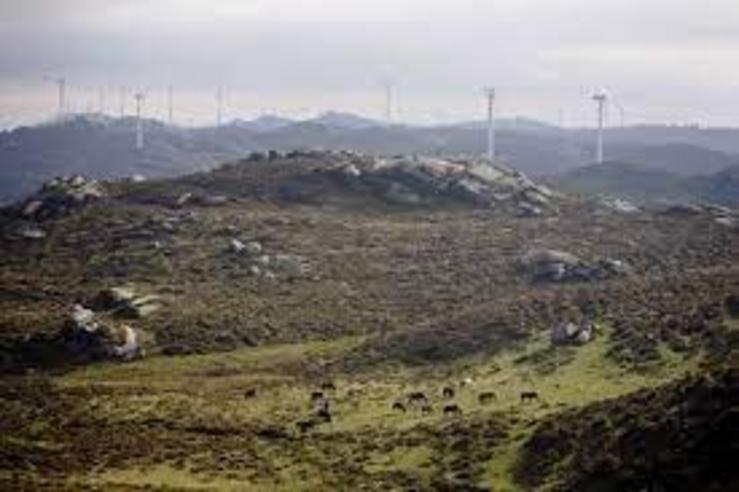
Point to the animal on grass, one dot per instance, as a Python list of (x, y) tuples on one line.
[(305, 425), (328, 386), (316, 395), (529, 396), (417, 397), (250, 393), (399, 406), (447, 392), (324, 415), (452, 409), (486, 397), (322, 405)]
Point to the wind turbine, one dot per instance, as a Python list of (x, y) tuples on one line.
[(170, 104), (140, 97), (490, 93), (388, 103), (601, 98), (61, 83), (219, 106), (122, 94)]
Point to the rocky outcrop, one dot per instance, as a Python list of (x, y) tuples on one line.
[(85, 337), (559, 266), (59, 196), (268, 266), (414, 180), (570, 333), (126, 301)]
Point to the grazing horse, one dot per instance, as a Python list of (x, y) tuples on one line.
[(529, 396), (305, 425), (487, 397), (250, 393), (328, 386), (324, 415), (448, 392), (417, 397), (452, 409), (316, 395), (399, 406), (323, 405)]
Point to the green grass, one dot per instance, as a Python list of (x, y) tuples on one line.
[(209, 388)]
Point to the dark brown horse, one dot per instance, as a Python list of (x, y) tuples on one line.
[(529, 396), (452, 409), (486, 397)]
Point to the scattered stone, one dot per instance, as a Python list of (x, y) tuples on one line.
[(253, 248), (559, 266), (237, 246), (569, 333), (85, 337), (31, 232), (58, 196), (291, 266), (126, 302), (183, 199), (620, 205), (726, 222), (526, 209)]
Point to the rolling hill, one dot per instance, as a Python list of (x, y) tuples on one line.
[(103, 147), (333, 320)]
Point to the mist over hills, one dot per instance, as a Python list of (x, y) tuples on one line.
[(103, 147)]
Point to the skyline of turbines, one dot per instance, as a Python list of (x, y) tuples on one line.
[(601, 97)]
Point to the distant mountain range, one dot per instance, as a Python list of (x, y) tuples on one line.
[(103, 147), (643, 185)]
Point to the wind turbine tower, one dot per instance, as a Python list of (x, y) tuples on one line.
[(140, 97), (170, 104), (123, 93), (101, 100), (601, 99), (491, 124), (61, 84), (388, 103), (219, 106)]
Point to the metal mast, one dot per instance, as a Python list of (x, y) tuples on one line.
[(388, 103), (61, 84), (219, 108), (601, 98), (123, 92), (139, 96), (170, 104), (491, 124)]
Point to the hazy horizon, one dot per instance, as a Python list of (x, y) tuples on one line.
[(299, 58)]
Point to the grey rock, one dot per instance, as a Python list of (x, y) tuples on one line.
[(236, 246), (253, 248)]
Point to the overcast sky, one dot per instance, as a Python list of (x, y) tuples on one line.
[(664, 60)]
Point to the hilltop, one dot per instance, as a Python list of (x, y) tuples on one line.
[(103, 147), (466, 327)]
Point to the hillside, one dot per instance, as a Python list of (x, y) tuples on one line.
[(334, 320), (103, 147), (646, 185)]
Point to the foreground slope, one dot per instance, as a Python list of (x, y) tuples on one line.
[(411, 308)]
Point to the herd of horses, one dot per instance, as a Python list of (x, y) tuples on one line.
[(321, 403)]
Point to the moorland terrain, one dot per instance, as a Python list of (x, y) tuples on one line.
[(333, 321)]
